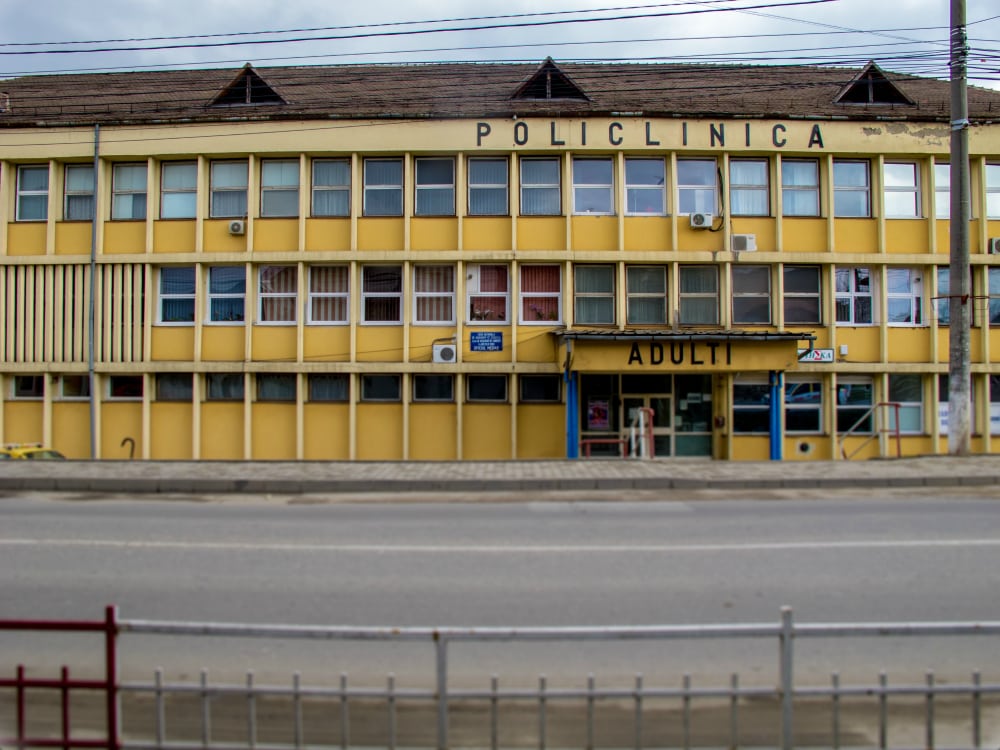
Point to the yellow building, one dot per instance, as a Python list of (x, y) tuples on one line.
[(488, 261)]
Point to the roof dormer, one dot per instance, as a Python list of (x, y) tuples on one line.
[(549, 82), (872, 86), (247, 89)]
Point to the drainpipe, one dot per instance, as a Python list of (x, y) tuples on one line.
[(775, 414), (572, 406), (93, 302)]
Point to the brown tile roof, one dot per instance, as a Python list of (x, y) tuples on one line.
[(472, 90)]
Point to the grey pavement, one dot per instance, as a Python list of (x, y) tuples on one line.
[(360, 477)]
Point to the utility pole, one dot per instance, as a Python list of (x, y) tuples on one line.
[(960, 301)]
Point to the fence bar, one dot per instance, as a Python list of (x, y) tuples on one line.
[(930, 711), (441, 649), (977, 737), (251, 712), (206, 712), (390, 700), (638, 712), (787, 684), (297, 707), (590, 712), (160, 728), (835, 710), (111, 630), (20, 706), (64, 705), (494, 713), (345, 714), (541, 712), (883, 710), (686, 700), (734, 712)]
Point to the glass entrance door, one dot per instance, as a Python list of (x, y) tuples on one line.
[(660, 405)]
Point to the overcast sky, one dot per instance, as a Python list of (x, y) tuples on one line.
[(901, 35)]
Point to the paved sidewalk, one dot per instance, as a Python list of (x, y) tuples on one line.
[(298, 477)]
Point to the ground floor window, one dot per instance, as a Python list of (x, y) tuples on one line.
[(174, 386), (380, 388), (751, 406), (803, 406), (486, 388), (944, 384), (540, 388), (855, 398), (906, 389), (276, 386), (29, 386), (433, 387), (224, 386), (329, 387), (125, 387)]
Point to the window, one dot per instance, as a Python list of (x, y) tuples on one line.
[(803, 406), (751, 294), (276, 386), (802, 294), (541, 294), (489, 293), (696, 181), (994, 404), (699, 295), (380, 388), (646, 295), (174, 386), (229, 189), (279, 187), (331, 187), (904, 296), (329, 294), (943, 300), (328, 386), (851, 189), (751, 406), (907, 391), (800, 187), (32, 193), (178, 190), (125, 387), (433, 387), (435, 187), (79, 205), (488, 187), (177, 289), (383, 187), (434, 295), (902, 193), (486, 388), (854, 296), (227, 294), (942, 191), (748, 191), (224, 386), (278, 293), (993, 191), (382, 294), (540, 389), (994, 292), (645, 187), (594, 295), (29, 386), (855, 397), (540, 187), (944, 398), (74, 387), (593, 186), (128, 192)]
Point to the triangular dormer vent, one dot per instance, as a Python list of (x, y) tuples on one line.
[(871, 86), (247, 88), (549, 82)]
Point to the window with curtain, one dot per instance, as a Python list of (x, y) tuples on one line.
[(699, 295), (177, 290), (276, 386), (279, 187), (383, 194), (854, 289), (488, 289), (229, 189), (855, 398), (751, 406), (851, 189), (901, 181), (942, 190), (329, 386), (645, 187), (32, 193), (594, 295), (905, 293), (800, 187), (803, 405), (331, 187), (434, 295), (646, 292), (278, 293), (906, 389), (434, 388), (79, 205), (227, 294), (381, 388), (593, 186), (540, 187), (488, 187), (492, 388), (751, 294), (382, 294), (224, 386), (435, 179), (178, 190), (802, 289), (329, 294), (748, 187), (174, 386), (128, 192), (541, 295), (696, 186)]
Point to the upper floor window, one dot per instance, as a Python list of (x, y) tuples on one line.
[(905, 295), (434, 295), (486, 388), (696, 186), (32, 193), (851, 188), (329, 386), (79, 205), (854, 296), (331, 187), (435, 179), (993, 191), (540, 187), (902, 190), (488, 289), (74, 387), (229, 188), (329, 294), (381, 388), (699, 295), (646, 295), (279, 187), (128, 191), (751, 294), (382, 294), (174, 386), (800, 187), (227, 294), (276, 386), (224, 386), (434, 388), (994, 292), (177, 292), (383, 187), (942, 190), (488, 187), (178, 190), (278, 293), (748, 188), (645, 187), (943, 299), (28, 387), (541, 294), (125, 387), (593, 186), (594, 295), (802, 285)]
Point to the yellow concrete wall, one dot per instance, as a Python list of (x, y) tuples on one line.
[(327, 344), (909, 344), (120, 420), (422, 340), (172, 343), (804, 235), (855, 235), (975, 345), (219, 240), (328, 234), (433, 430), (380, 233), (171, 440), (438, 233), (274, 343), (125, 237), (906, 236), (754, 448), (380, 432), (22, 422), (326, 432), (862, 343), (222, 431), (807, 448), (594, 232), (275, 235), (764, 229), (484, 233), (541, 431), (380, 344), (71, 428), (273, 432), (223, 343), (73, 238), (541, 233), (486, 432), (652, 233), (697, 239), (174, 236), (26, 239), (536, 344)]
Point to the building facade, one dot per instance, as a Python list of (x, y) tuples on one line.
[(489, 261)]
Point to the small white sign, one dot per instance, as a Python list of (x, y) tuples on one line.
[(815, 355)]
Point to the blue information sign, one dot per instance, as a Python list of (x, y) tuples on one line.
[(486, 341)]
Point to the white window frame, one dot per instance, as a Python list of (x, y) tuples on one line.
[(20, 393), (635, 187), (395, 187), (22, 193), (606, 190), (283, 397), (607, 295), (418, 295), (266, 294), (272, 187), (320, 189), (473, 290), (685, 189), (909, 411), (942, 190), (894, 189), (525, 297), (427, 188), (914, 295), (475, 187), (117, 192), (795, 189), (760, 271), (752, 188), (186, 189), (81, 394), (791, 381), (221, 296), (790, 296), (166, 296), (684, 296), (556, 186), (847, 381), (851, 295), (993, 289), (992, 180), (760, 384), (217, 189), (845, 188), (366, 295), (314, 295), (638, 296), (70, 193)]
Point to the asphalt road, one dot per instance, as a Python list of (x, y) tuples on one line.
[(553, 562)]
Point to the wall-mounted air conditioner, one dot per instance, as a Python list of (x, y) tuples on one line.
[(701, 221), (744, 243), (237, 226), (993, 245), (444, 353)]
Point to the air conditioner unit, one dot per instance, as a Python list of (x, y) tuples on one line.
[(237, 226), (993, 245), (744, 243), (701, 221), (444, 353)]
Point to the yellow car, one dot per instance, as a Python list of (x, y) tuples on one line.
[(29, 452)]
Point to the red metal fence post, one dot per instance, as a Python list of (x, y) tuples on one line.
[(111, 674), (20, 706)]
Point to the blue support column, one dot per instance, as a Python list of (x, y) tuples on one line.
[(572, 415), (775, 415)]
